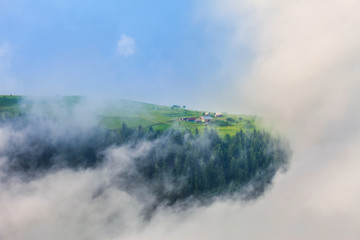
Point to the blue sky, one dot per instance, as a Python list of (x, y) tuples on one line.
[(71, 48)]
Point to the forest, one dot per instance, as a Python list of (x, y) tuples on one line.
[(176, 166)]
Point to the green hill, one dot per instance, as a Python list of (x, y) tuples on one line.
[(134, 114), (173, 165)]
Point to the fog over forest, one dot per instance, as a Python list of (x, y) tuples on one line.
[(68, 176), (294, 64)]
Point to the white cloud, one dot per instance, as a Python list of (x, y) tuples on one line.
[(126, 46), (304, 79)]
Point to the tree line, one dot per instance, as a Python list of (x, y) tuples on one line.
[(178, 164)]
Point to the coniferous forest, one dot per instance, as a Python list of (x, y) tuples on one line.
[(174, 166)]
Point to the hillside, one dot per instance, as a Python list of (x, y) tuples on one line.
[(46, 135), (134, 114)]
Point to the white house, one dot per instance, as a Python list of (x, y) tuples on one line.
[(206, 118)]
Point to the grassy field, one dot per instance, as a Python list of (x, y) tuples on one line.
[(134, 114)]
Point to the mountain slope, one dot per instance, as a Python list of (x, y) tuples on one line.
[(112, 113)]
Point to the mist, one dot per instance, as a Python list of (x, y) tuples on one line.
[(62, 175), (303, 81)]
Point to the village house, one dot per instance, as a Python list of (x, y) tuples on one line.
[(191, 119), (183, 119), (218, 114), (206, 118), (203, 119)]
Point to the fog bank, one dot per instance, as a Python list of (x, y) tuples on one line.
[(303, 81)]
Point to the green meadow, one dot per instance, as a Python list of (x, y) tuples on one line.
[(134, 114)]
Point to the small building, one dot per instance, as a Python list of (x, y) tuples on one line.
[(207, 114), (199, 120), (218, 114), (191, 119), (183, 119), (206, 118)]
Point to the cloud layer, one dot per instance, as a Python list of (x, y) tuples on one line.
[(304, 80), (63, 176)]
